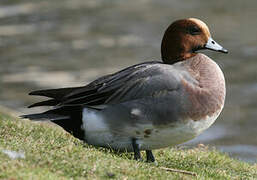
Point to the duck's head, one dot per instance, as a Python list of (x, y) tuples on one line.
[(184, 37)]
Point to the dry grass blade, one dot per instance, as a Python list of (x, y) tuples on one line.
[(179, 171)]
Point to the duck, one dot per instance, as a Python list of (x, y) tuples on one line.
[(149, 105)]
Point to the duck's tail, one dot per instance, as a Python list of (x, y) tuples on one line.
[(68, 117)]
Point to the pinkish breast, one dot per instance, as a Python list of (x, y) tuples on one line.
[(208, 96)]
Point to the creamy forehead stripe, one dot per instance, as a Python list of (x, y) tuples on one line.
[(202, 25)]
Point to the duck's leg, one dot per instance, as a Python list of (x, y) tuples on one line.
[(137, 155), (149, 156)]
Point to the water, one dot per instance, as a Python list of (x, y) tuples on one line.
[(59, 43)]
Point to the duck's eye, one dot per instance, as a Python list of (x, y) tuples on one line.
[(194, 30)]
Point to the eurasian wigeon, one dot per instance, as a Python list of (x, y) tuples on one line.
[(149, 105)]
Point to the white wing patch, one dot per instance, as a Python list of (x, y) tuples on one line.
[(136, 112)]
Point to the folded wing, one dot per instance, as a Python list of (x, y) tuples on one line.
[(138, 81)]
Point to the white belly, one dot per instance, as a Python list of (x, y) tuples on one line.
[(98, 133), (177, 134)]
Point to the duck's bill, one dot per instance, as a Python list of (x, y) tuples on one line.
[(212, 45)]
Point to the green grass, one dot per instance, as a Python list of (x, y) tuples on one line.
[(52, 153)]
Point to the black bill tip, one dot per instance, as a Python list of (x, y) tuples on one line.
[(223, 50)]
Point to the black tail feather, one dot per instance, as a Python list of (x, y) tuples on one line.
[(54, 93), (52, 115), (50, 102), (44, 116), (68, 117)]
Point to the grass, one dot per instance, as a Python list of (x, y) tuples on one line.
[(51, 153)]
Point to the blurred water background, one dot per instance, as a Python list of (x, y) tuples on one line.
[(59, 43)]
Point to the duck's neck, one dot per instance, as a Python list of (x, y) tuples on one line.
[(174, 58), (175, 54)]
